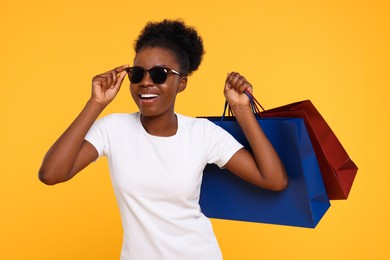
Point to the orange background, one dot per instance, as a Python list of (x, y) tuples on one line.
[(335, 53)]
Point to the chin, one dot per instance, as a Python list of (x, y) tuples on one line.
[(149, 113)]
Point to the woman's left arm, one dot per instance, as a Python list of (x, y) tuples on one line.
[(264, 167)]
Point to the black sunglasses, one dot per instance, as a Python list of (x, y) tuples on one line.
[(158, 74)]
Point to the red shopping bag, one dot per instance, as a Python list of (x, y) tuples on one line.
[(337, 168)]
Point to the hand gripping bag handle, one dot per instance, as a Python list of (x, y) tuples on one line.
[(255, 104)]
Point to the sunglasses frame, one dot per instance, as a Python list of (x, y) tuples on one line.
[(164, 68)]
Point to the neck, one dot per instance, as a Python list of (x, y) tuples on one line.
[(164, 125)]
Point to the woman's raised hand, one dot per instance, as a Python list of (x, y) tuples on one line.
[(235, 85), (105, 86)]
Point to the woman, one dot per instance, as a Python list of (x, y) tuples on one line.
[(156, 156)]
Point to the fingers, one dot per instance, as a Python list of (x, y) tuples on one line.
[(120, 77), (121, 68), (116, 76), (119, 74), (111, 79), (237, 82)]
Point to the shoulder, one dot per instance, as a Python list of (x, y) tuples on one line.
[(118, 118), (196, 124), (116, 121), (200, 128)]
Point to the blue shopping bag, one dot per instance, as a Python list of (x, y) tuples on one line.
[(303, 203)]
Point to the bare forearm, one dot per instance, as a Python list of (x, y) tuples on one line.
[(267, 160), (70, 153), (60, 159)]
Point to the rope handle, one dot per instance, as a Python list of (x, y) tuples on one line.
[(255, 106)]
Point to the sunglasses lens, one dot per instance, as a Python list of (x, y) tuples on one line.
[(136, 74), (158, 74)]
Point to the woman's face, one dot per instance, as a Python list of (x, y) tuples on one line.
[(157, 99)]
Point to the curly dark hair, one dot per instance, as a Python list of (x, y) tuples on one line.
[(173, 35)]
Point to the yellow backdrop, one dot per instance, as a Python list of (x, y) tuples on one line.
[(335, 53)]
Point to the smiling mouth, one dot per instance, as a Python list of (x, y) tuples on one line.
[(148, 96)]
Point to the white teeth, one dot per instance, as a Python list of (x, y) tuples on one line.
[(148, 95)]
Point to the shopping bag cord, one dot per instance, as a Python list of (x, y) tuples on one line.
[(254, 103)]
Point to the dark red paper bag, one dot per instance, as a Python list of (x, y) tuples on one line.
[(338, 170)]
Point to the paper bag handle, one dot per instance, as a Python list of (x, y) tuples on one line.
[(255, 106)]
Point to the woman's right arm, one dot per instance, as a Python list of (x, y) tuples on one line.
[(71, 153)]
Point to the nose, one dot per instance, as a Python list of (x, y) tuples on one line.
[(146, 80)]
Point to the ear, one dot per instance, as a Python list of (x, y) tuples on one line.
[(182, 84)]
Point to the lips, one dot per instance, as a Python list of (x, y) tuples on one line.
[(148, 96)]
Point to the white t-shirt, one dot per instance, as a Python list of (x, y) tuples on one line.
[(157, 184)]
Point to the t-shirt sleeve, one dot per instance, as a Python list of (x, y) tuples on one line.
[(97, 136), (222, 145)]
